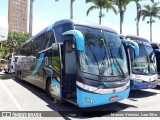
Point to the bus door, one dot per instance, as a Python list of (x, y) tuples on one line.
[(70, 70), (73, 45)]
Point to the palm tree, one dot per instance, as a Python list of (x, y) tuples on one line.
[(151, 11), (71, 8), (138, 7), (121, 8), (100, 5), (31, 18)]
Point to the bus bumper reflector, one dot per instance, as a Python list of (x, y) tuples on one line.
[(150, 86)]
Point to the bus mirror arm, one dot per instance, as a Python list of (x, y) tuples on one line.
[(79, 38), (134, 45)]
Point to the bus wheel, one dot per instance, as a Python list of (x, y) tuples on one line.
[(20, 77), (49, 89), (17, 76)]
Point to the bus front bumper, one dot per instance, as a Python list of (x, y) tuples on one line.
[(142, 85), (88, 99)]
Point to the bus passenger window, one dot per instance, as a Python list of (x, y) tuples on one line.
[(50, 39)]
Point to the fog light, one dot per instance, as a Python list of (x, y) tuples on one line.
[(89, 100)]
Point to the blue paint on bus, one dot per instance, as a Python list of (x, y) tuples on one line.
[(142, 85), (87, 99), (40, 60)]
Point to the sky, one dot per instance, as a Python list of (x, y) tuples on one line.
[(46, 12)]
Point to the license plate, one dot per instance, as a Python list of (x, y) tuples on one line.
[(113, 98), (150, 85), (158, 81)]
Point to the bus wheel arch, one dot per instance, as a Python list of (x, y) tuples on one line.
[(48, 83)]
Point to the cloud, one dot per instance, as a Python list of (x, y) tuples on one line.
[(39, 23), (3, 22), (3, 28)]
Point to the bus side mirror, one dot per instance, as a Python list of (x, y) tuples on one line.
[(54, 46), (79, 39)]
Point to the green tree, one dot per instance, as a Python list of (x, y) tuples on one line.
[(138, 7), (121, 8), (15, 39), (100, 5), (151, 11)]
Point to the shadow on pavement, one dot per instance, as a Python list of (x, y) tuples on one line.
[(158, 87), (141, 94), (68, 110)]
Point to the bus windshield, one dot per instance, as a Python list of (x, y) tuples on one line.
[(104, 53), (145, 63), (158, 59)]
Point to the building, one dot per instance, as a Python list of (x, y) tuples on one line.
[(17, 15)]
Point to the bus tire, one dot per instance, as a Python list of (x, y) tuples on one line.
[(17, 75), (20, 77), (48, 87)]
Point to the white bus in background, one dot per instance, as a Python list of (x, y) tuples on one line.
[(10, 65)]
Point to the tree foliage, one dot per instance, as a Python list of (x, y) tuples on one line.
[(100, 5), (151, 12), (15, 39)]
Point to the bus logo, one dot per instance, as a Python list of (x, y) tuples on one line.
[(114, 90)]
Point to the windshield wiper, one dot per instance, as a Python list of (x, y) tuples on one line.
[(120, 69), (94, 57), (103, 68)]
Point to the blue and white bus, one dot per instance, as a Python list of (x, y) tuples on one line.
[(156, 49), (143, 68), (79, 62)]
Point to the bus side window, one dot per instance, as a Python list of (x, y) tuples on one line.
[(48, 57), (39, 42), (56, 58), (50, 39)]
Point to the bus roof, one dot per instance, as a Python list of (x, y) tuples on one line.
[(137, 38), (74, 22), (83, 23)]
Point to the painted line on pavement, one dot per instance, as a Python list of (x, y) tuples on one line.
[(12, 97)]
